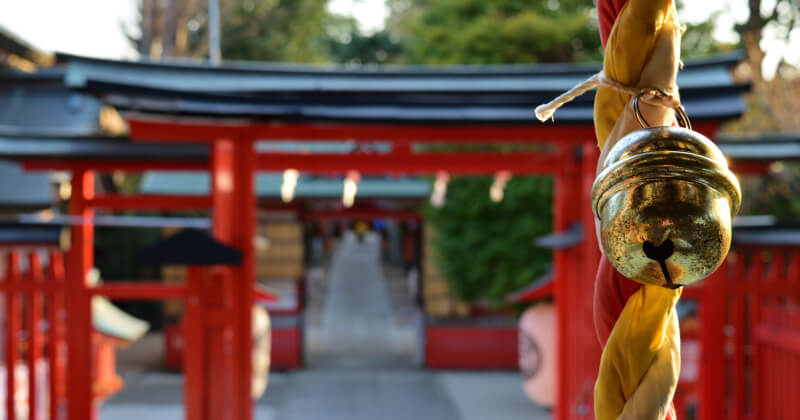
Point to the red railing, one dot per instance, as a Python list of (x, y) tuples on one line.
[(777, 337), (748, 329), (34, 332)]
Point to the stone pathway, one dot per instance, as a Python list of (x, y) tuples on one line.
[(347, 394), (361, 322), (363, 346)]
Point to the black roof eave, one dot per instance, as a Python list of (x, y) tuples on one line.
[(100, 149), (405, 96), (237, 67), (29, 234)]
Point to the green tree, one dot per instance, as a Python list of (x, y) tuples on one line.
[(496, 32), (345, 43), (265, 30), (698, 40), (485, 248), (779, 16)]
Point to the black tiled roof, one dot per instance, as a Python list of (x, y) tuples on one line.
[(464, 94), (40, 104)]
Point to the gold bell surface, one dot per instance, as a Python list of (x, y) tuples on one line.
[(664, 200)]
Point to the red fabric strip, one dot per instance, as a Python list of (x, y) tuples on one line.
[(611, 289), (607, 11)]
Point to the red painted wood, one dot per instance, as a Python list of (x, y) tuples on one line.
[(193, 333), (574, 396), (590, 255), (25, 287), (151, 202), (419, 163), (584, 348), (372, 164), (286, 350), (121, 164), (750, 168), (56, 349), (34, 330), (712, 340), (162, 129), (169, 129), (738, 324), (243, 233), (471, 347), (782, 338), (79, 315), (561, 288), (139, 291), (262, 295), (778, 339), (755, 276), (12, 321), (220, 291), (222, 183)]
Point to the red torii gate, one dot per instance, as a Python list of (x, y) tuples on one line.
[(232, 163)]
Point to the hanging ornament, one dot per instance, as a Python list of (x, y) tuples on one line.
[(440, 189), (497, 190), (290, 177), (350, 188)]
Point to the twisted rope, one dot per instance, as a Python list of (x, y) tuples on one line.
[(652, 96)]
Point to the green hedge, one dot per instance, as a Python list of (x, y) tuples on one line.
[(485, 248)]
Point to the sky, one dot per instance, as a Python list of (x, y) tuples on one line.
[(94, 27), (84, 27)]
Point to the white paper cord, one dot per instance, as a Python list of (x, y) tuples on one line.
[(651, 96)]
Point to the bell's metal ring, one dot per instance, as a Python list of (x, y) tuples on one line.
[(680, 113)]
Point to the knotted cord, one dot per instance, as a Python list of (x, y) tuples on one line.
[(652, 96)]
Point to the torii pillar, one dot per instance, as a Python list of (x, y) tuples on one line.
[(233, 215)]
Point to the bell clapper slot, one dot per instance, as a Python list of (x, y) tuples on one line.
[(660, 254)]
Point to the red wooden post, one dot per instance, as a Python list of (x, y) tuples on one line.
[(12, 331), (243, 236), (222, 336), (79, 311), (34, 332), (55, 349), (587, 257), (150, 129), (194, 357), (776, 276), (712, 340), (754, 279), (569, 376), (220, 353), (414, 163), (560, 288)]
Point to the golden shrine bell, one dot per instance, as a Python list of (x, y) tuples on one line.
[(664, 200)]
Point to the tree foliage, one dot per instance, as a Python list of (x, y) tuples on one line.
[(496, 32), (345, 43), (698, 41), (265, 30), (779, 16), (486, 249)]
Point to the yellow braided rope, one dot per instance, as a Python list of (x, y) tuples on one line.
[(630, 46), (641, 360)]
